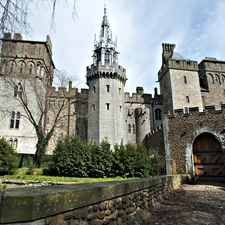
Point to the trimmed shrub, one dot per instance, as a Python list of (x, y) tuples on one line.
[(101, 155), (71, 157), (8, 158)]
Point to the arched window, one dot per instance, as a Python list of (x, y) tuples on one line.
[(15, 143), (30, 68), (18, 90), (21, 67), (11, 141), (42, 72), (134, 130), (217, 79), (222, 79), (212, 77), (12, 66), (15, 120), (38, 70), (129, 128), (158, 114), (12, 120)]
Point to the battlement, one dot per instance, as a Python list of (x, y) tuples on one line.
[(156, 130), (183, 64), (141, 97), (106, 68), (195, 110), (66, 92)]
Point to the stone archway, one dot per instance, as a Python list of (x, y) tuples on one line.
[(208, 158)]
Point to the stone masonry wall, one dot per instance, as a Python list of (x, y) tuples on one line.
[(81, 204), (184, 128)]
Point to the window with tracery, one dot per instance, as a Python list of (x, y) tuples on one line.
[(158, 114)]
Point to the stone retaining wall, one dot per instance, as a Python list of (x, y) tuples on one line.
[(81, 204)]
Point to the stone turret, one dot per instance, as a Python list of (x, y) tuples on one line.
[(106, 80)]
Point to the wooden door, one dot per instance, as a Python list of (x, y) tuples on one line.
[(208, 158)]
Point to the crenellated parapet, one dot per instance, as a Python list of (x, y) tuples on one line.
[(195, 111), (106, 71), (156, 130)]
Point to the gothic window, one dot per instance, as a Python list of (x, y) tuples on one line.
[(158, 114), (187, 99), (98, 57), (107, 106), (15, 143), (38, 70), (212, 77), (11, 141), (107, 56), (107, 88), (3, 67), (129, 128), (42, 72), (185, 79), (11, 66), (134, 131), (18, 90), (222, 79), (15, 120), (30, 68), (217, 79), (21, 67)]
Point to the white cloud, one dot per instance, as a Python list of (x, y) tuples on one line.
[(196, 27)]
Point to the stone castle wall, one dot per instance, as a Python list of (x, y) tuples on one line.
[(180, 130), (114, 202)]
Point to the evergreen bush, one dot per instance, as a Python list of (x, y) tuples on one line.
[(71, 157), (8, 158)]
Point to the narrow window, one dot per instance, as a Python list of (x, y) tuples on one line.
[(10, 141), (224, 93), (42, 72), (15, 91), (21, 67), (3, 68), (11, 66), (185, 79), (93, 107), (222, 79), (185, 110), (94, 89), (17, 120), (120, 108), (30, 68), (107, 88), (134, 131), (158, 114), (38, 70), (119, 91), (129, 128), (12, 120), (20, 90), (107, 106), (107, 56), (187, 99), (15, 143)]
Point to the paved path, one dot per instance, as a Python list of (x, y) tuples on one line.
[(199, 204)]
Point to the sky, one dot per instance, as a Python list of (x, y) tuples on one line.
[(197, 27)]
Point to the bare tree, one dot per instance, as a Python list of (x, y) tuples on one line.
[(15, 14), (62, 79), (33, 98)]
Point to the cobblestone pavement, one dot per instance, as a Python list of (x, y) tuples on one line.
[(203, 203)]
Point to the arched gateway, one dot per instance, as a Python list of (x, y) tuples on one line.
[(208, 158)]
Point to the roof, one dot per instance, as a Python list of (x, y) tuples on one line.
[(177, 56)]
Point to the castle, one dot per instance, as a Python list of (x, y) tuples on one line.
[(185, 122)]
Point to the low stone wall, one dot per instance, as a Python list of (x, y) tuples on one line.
[(110, 203)]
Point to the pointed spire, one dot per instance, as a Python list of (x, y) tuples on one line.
[(105, 37)]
